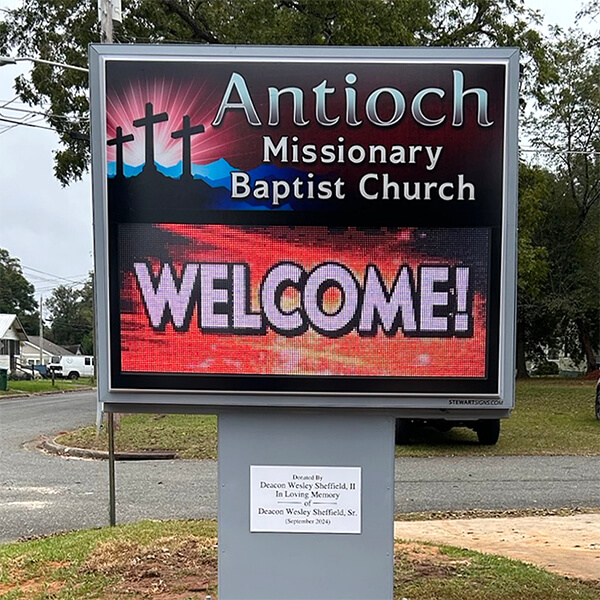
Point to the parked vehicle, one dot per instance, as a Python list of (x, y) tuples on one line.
[(488, 430), (598, 400), (42, 370), (72, 367)]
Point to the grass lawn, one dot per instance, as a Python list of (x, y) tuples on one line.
[(178, 560), (552, 416), (35, 386), (191, 436)]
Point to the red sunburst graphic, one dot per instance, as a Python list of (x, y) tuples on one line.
[(193, 97)]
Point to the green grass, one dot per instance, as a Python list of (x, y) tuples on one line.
[(191, 436), (55, 567), (552, 417), (130, 561), (35, 386), (466, 575)]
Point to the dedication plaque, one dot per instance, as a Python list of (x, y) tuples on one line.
[(286, 499)]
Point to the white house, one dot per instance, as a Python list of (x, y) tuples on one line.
[(30, 351), (11, 336)]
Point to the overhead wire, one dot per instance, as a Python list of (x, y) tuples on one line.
[(52, 274), (46, 114), (25, 124)]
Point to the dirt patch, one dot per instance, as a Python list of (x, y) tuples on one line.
[(415, 561), (30, 588), (176, 568)]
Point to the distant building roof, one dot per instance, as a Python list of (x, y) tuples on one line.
[(49, 346), (7, 321), (75, 349)]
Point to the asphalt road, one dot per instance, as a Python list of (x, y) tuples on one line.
[(41, 494)]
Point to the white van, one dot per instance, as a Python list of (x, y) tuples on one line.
[(72, 367)]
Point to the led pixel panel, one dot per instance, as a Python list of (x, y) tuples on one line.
[(297, 300)]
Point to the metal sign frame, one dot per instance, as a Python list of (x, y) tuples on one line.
[(497, 399)]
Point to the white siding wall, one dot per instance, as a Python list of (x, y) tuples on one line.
[(30, 352)]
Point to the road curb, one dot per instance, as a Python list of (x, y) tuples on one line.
[(20, 394), (53, 447)]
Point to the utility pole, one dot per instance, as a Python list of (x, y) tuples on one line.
[(109, 11), (41, 332)]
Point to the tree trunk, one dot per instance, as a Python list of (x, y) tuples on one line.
[(586, 344)]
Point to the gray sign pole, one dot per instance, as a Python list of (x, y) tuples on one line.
[(265, 565), (111, 469)]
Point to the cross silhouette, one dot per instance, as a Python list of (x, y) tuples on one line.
[(148, 121), (119, 141), (186, 133)]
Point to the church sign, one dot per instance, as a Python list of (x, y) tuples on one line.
[(275, 225)]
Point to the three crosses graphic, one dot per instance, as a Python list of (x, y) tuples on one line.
[(148, 121)]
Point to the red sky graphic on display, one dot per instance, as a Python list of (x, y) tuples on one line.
[(144, 350), (197, 99)]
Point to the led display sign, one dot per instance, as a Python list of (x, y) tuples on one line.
[(279, 221)]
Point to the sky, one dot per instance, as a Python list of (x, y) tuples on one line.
[(49, 227)]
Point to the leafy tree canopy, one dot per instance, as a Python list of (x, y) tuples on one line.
[(566, 125), (60, 31), (16, 293), (71, 315)]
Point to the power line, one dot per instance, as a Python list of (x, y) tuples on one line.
[(69, 279), (7, 102), (48, 115), (17, 123), (558, 151)]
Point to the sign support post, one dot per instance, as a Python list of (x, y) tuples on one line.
[(310, 536), (111, 470)]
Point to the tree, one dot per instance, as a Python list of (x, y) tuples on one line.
[(591, 11), (71, 315), (535, 184), (17, 294), (567, 126), (87, 314), (60, 30)]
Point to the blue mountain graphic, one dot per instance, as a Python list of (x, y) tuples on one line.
[(215, 171), (218, 170), (217, 177), (128, 170), (173, 172)]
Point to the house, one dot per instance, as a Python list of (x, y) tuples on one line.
[(556, 362), (76, 349), (11, 336), (30, 351)]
